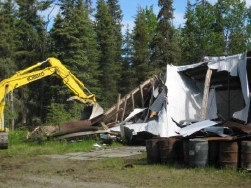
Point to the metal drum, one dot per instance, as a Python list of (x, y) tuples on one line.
[(167, 150), (152, 151), (245, 154), (186, 151), (198, 152), (213, 153), (228, 156)]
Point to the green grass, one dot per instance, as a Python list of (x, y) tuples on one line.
[(19, 146), (114, 170)]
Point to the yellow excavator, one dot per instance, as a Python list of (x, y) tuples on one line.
[(29, 75)]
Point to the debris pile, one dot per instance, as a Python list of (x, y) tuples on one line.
[(205, 104)]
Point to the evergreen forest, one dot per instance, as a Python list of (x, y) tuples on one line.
[(88, 39)]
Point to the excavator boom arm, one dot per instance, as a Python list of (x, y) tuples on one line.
[(27, 76)]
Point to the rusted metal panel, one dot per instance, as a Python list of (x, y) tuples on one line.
[(239, 128), (77, 126)]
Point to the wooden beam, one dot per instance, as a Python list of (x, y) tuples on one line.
[(205, 94), (132, 98), (142, 95), (111, 115), (104, 125), (117, 107), (124, 109)]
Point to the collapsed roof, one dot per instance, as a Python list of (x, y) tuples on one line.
[(202, 94)]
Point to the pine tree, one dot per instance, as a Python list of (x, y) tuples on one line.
[(30, 38), (248, 27), (74, 44), (234, 18), (7, 47), (116, 12), (109, 55), (128, 82), (165, 48), (141, 50), (214, 30)]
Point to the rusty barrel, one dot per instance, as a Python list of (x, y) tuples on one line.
[(167, 150), (152, 151), (228, 154), (213, 153), (245, 155), (198, 152)]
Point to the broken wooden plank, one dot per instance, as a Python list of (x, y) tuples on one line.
[(104, 125), (124, 109), (81, 134), (107, 117), (117, 107), (132, 98), (142, 95)]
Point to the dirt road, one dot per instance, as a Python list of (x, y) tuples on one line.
[(71, 170)]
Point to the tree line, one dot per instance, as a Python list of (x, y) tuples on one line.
[(88, 39)]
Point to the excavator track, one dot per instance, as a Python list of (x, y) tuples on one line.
[(3, 140)]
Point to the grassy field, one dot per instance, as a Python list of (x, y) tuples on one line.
[(24, 158)]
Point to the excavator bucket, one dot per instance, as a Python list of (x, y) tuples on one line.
[(92, 111), (96, 111)]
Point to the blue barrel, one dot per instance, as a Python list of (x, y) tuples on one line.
[(198, 152)]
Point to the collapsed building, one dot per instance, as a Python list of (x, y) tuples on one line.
[(200, 95), (209, 99), (206, 104)]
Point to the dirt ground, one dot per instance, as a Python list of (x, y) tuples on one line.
[(71, 170)]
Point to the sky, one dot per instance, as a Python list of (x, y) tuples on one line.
[(129, 10)]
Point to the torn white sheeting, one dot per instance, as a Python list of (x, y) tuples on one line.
[(226, 63), (185, 95), (184, 101), (211, 112), (134, 113), (139, 127), (236, 66), (216, 130), (188, 130)]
